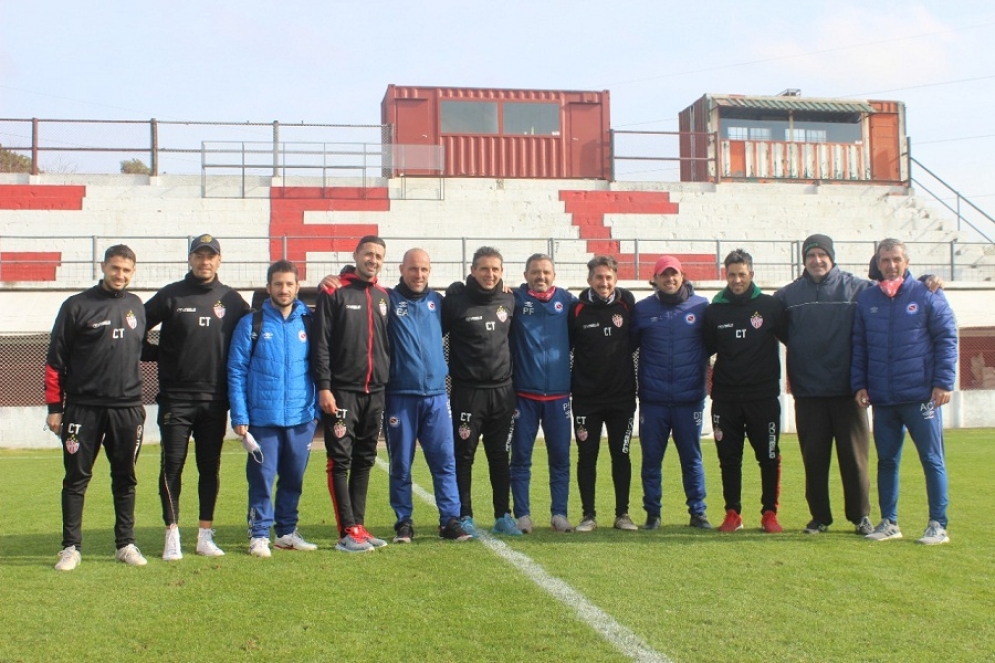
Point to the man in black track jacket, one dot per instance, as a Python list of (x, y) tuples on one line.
[(477, 316), (93, 388), (742, 328), (198, 317), (350, 360), (603, 386)]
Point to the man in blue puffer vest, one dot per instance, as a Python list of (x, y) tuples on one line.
[(904, 364), (540, 352), (673, 368), (274, 401)]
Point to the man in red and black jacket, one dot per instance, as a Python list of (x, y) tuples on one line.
[(350, 360), (93, 388)]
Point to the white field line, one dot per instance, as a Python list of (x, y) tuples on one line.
[(627, 642)]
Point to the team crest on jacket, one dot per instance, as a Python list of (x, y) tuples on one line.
[(431, 306), (219, 310), (617, 320), (501, 313), (558, 306), (464, 432), (383, 306), (72, 444), (302, 335), (912, 308), (757, 321), (131, 319), (690, 318)]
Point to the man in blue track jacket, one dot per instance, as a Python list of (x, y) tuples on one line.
[(540, 352), (273, 398), (904, 364), (417, 403)]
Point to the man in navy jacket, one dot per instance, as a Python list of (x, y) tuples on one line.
[(673, 367), (904, 364), (820, 306)]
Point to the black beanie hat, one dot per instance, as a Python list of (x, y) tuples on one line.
[(823, 242)]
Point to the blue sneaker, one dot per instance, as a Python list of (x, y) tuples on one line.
[(506, 525), (466, 522)]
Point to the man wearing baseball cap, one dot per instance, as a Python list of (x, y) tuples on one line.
[(673, 366), (198, 316)]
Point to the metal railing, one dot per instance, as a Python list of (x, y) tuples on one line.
[(65, 262), (45, 145), (962, 208)]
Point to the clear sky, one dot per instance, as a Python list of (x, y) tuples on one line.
[(331, 61)]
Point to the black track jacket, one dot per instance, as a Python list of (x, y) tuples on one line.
[(603, 367), (478, 322), (349, 349), (198, 320), (94, 351)]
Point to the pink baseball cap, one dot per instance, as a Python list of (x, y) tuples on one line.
[(663, 263)]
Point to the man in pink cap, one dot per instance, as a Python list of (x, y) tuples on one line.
[(673, 365)]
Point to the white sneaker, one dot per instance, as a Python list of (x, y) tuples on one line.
[(885, 531), (525, 524), (69, 559), (587, 524), (131, 555), (293, 541), (625, 522), (934, 535), (171, 548), (259, 547), (206, 545), (559, 523)]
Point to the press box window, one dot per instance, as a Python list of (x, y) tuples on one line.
[(469, 117), (531, 119)]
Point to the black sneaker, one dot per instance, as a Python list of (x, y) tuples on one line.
[(405, 532), (453, 531), (700, 521), (815, 527), (652, 522)]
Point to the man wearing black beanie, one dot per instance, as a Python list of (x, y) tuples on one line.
[(820, 307)]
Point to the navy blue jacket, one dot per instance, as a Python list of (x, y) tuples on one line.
[(673, 362), (540, 343), (903, 347), (819, 332), (417, 358)]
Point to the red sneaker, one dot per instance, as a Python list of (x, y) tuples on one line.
[(732, 522), (769, 524)]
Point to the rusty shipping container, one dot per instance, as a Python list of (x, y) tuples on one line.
[(534, 134), (760, 138)]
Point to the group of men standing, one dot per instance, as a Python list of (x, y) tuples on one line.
[(518, 359)]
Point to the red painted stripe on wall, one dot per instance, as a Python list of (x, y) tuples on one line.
[(29, 265), (588, 209), (287, 207), (41, 197)]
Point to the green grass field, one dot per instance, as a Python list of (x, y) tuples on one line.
[(680, 594)]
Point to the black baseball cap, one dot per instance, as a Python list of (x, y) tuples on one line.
[(205, 241)]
